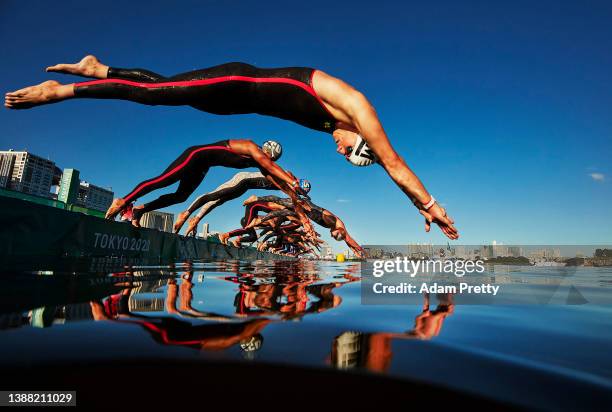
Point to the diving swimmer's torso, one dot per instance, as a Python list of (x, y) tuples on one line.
[(220, 154)]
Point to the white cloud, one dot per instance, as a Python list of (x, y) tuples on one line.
[(598, 177), (343, 200)]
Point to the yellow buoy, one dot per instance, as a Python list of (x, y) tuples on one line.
[(340, 257)]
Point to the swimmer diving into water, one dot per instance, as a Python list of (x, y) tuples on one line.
[(239, 184), (306, 96), (317, 214), (190, 168)]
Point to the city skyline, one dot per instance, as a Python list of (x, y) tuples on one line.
[(25, 172)]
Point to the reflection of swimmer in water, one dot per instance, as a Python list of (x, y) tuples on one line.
[(190, 168), (303, 95), (172, 331), (289, 296), (373, 350)]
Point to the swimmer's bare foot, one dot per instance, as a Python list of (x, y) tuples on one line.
[(223, 238), (89, 66), (250, 199), (44, 93), (136, 215), (193, 226), (180, 221), (115, 207), (236, 242)]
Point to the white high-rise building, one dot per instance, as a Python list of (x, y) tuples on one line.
[(204, 233), (26, 173), (158, 220)]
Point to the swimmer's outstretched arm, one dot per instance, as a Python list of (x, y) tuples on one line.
[(355, 112), (355, 247)]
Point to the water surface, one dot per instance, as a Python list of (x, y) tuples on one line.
[(307, 314)]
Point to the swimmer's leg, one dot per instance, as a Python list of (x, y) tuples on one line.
[(209, 201), (52, 91), (43, 93), (186, 89), (195, 221), (250, 237), (171, 175), (187, 186), (90, 66), (126, 84)]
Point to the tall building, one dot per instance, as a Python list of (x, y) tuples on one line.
[(515, 251), (94, 197), (27, 173), (204, 233), (158, 220), (69, 186), (326, 251)]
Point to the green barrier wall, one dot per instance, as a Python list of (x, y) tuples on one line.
[(49, 202), (31, 229)]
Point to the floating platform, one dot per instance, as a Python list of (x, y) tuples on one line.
[(30, 230)]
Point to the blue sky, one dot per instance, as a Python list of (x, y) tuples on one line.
[(502, 110)]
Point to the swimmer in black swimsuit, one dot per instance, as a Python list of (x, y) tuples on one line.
[(230, 190), (191, 167), (306, 96)]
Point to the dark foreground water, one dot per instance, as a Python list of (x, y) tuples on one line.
[(306, 314)]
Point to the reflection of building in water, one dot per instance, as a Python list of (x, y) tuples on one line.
[(47, 316), (346, 352), (147, 296), (143, 304), (158, 220)]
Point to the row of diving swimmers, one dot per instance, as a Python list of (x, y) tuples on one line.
[(281, 222), (288, 225), (306, 96)]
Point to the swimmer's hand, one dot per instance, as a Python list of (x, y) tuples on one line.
[(436, 214), (359, 253)]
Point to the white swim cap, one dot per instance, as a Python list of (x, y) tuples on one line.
[(273, 148), (361, 154)]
